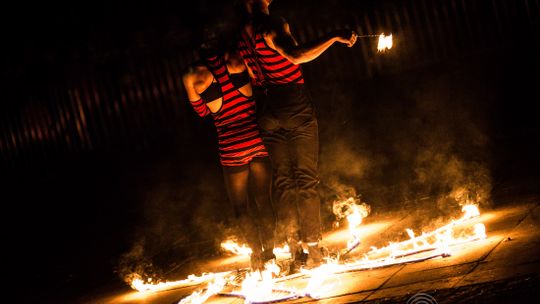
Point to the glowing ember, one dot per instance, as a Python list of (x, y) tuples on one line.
[(385, 43)]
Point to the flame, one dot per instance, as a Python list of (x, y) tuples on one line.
[(428, 245), (354, 213), (470, 211), (264, 286), (318, 284), (259, 285), (385, 43), (480, 231), (281, 250), (140, 285), (200, 297), (232, 246), (440, 238)]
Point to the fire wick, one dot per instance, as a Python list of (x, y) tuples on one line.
[(366, 36)]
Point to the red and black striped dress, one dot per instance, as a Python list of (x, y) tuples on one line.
[(239, 139), (268, 66)]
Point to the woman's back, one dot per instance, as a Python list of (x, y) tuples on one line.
[(213, 89)]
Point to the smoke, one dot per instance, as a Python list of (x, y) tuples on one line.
[(340, 179), (417, 142), (450, 121), (352, 209), (344, 161), (134, 264), (183, 217)]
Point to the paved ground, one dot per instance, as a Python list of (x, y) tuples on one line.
[(504, 267)]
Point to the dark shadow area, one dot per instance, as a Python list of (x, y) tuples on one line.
[(520, 289)]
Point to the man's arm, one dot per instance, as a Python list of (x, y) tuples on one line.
[(281, 39)]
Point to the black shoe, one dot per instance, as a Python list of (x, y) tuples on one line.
[(315, 256), (268, 255), (295, 266), (298, 258), (258, 260)]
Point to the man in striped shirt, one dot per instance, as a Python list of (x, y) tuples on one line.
[(288, 123)]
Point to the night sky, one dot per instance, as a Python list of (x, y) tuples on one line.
[(440, 110)]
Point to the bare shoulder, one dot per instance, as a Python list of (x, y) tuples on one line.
[(195, 74), (187, 74), (194, 71)]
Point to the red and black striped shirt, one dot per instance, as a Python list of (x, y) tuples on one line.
[(238, 134), (268, 66)]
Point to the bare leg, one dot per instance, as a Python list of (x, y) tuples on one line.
[(236, 182)]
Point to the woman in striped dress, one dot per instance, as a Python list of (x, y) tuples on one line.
[(219, 86)]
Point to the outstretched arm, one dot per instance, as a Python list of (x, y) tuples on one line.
[(281, 39)]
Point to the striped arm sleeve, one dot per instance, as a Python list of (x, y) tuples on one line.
[(200, 107)]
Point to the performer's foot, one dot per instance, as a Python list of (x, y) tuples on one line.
[(258, 260), (315, 255), (268, 255), (298, 256)]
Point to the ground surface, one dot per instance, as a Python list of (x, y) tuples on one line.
[(504, 267)]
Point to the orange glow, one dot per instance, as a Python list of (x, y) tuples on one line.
[(385, 43), (235, 248), (440, 238), (260, 285), (201, 296), (139, 285), (365, 230), (266, 286), (354, 212)]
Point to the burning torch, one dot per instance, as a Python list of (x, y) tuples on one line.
[(385, 42)]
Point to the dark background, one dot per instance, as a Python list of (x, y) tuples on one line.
[(105, 165)]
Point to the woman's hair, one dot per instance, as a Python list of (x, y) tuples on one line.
[(208, 42), (222, 29)]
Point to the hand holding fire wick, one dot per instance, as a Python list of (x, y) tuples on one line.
[(346, 37)]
